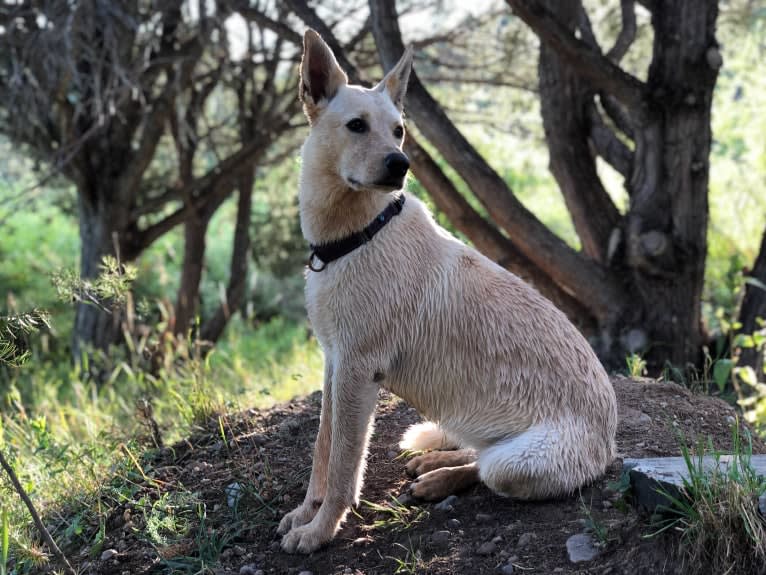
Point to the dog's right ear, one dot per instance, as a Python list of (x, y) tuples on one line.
[(321, 76)]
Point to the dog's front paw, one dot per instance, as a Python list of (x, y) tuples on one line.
[(297, 517), (305, 539)]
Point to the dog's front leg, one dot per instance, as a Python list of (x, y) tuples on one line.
[(315, 493), (354, 396)]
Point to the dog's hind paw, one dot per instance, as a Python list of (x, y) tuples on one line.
[(439, 483), (436, 459), (305, 539)]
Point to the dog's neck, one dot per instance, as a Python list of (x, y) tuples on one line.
[(331, 210)]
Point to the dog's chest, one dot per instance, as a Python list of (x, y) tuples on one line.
[(349, 304)]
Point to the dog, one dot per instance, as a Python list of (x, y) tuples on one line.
[(500, 375)]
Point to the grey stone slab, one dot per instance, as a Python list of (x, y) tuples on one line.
[(649, 477)]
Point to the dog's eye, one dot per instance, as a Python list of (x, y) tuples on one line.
[(357, 125), (399, 132)]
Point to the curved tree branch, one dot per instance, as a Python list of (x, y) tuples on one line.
[(587, 60), (608, 145), (627, 32)]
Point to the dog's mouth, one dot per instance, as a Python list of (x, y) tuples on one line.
[(387, 185)]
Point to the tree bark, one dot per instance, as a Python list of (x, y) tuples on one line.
[(565, 99), (101, 234), (752, 312), (240, 258), (666, 232), (187, 299)]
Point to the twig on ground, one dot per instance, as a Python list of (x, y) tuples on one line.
[(60, 557)]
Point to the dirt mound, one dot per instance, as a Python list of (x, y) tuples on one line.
[(247, 470)]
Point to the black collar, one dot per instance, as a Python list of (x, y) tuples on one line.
[(326, 253)]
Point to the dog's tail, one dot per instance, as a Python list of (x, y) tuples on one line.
[(427, 435)]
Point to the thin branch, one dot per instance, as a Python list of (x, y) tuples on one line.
[(588, 61), (627, 32), (618, 114), (44, 533), (608, 145)]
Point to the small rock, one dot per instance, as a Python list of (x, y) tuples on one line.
[(440, 538), (453, 523), (248, 569), (233, 494), (580, 548), (730, 420), (446, 504), (392, 454), (483, 517), (259, 572), (275, 546), (260, 440), (507, 569), (606, 504), (525, 539), (487, 548), (108, 554), (289, 426), (497, 539), (305, 573), (361, 541)]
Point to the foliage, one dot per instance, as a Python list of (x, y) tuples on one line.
[(109, 289), (716, 514), (395, 516), (14, 329)]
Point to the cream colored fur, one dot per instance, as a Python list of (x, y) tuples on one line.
[(493, 365)]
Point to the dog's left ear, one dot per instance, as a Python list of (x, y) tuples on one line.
[(395, 82)]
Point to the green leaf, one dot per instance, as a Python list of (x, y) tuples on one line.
[(755, 282), (747, 375), (721, 372), (5, 541)]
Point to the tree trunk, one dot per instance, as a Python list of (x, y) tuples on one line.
[(752, 313), (240, 258), (187, 300), (95, 328), (666, 232), (565, 98)]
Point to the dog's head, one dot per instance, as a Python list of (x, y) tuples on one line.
[(359, 131)]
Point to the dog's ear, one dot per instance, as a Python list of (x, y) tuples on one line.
[(395, 82), (320, 74)]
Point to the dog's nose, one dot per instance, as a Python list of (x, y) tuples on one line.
[(397, 164)]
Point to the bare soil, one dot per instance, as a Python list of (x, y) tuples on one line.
[(268, 455)]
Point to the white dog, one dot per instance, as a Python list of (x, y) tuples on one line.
[(397, 302)]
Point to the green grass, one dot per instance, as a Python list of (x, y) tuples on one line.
[(67, 435), (394, 516), (716, 513)]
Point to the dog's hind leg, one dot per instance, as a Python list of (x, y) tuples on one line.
[(422, 464), (427, 435), (547, 460)]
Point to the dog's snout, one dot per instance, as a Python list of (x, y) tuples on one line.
[(397, 164)]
